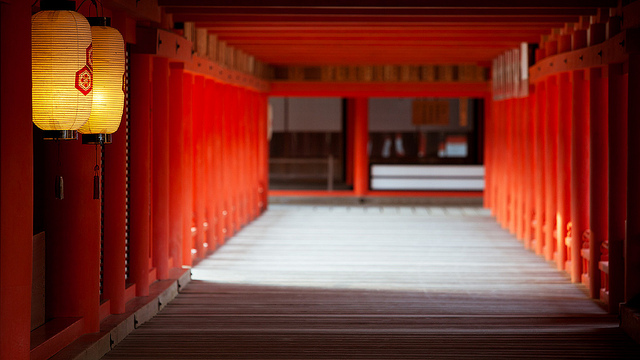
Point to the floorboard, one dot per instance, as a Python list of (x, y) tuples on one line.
[(377, 282)]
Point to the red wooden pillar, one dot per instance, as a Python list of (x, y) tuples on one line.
[(115, 208), (488, 153), (618, 104), (160, 168), (140, 172), (264, 152), (511, 175), (539, 174), (72, 229), (579, 170), (176, 172), (529, 165), (224, 214), (187, 167), (216, 137), (598, 174), (520, 164), (564, 166), (551, 169), (632, 243), (207, 180), (198, 164), (16, 180), (220, 172), (361, 157), (499, 160)]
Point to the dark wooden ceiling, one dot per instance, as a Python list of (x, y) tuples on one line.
[(350, 32)]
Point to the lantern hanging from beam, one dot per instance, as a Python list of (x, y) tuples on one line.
[(62, 80), (108, 77)]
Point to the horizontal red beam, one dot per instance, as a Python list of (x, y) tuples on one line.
[(395, 3), (397, 194), (382, 11), (376, 19), (379, 89), (395, 40)]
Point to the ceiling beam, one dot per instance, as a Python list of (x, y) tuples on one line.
[(476, 4)]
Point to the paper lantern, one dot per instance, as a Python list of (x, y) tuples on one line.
[(61, 70), (108, 73)]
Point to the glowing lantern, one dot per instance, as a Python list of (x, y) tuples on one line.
[(108, 73), (61, 71)]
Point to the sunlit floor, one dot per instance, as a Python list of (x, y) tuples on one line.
[(377, 282)]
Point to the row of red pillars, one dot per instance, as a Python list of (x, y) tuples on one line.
[(557, 169)]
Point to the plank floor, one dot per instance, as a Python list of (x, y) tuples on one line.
[(377, 282)]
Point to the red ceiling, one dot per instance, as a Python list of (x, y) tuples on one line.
[(349, 32)]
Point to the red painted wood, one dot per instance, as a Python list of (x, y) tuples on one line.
[(263, 161), (530, 157), (208, 186), (115, 205), (519, 189), (632, 243), (160, 168), (218, 174), (361, 157), (551, 168), (72, 229), (346, 89), (187, 169), (539, 173), (598, 174), (579, 170), (140, 172), (565, 108), (618, 111), (16, 180), (177, 226), (512, 157), (488, 151), (198, 163)]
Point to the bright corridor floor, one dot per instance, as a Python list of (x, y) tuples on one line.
[(377, 282)]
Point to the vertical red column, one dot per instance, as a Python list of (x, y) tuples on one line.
[(216, 165), (140, 172), (529, 163), (198, 164), (551, 169), (160, 168), (224, 215), (541, 111), (510, 176), (207, 180), (361, 158), (187, 167), (499, 161), (618, 103), (520, 166), (632, 243), (564, 166), (264, 157), (72, 229), (16, 180), (579, 170), (488, 153), (598, 174), (115, 208), (176, 145)]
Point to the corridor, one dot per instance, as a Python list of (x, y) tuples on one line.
[(377, 282)]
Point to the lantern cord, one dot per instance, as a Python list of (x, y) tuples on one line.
[(79, 6), (96, 178)]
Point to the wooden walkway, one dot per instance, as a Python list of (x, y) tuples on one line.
[(377, 282)]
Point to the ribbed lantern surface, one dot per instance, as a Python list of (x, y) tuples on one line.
[(108, 72), (61, 70)]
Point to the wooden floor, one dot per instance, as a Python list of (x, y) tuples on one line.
[(377, 282)]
